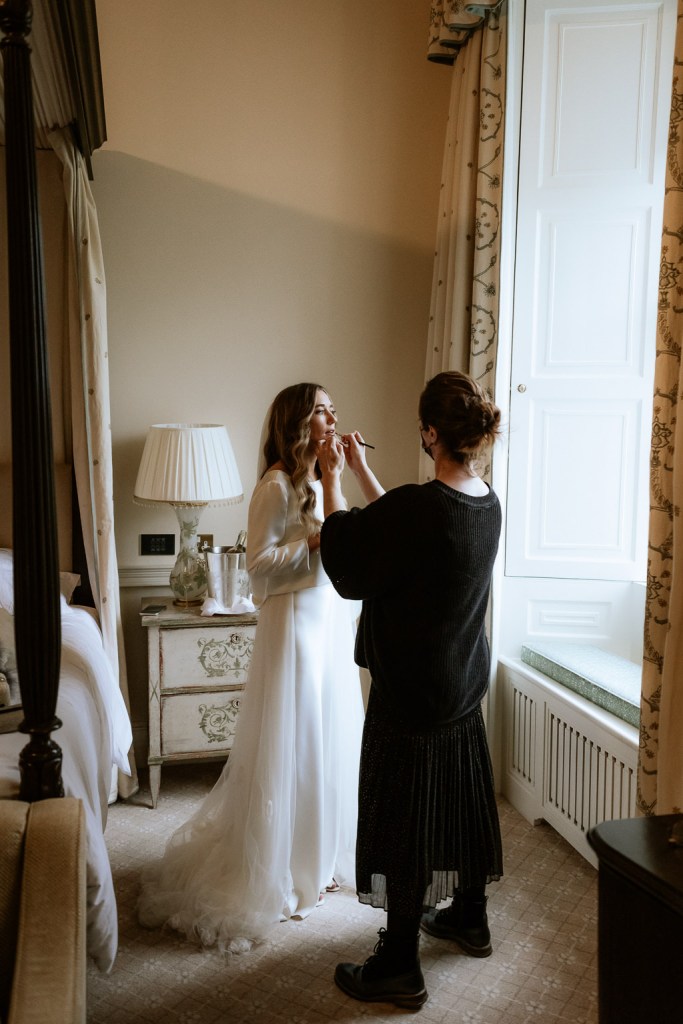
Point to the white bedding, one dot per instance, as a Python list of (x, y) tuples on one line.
[(95, 735)]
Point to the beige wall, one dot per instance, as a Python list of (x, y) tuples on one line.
[(267, 199)]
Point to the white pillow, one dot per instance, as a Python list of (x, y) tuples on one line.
[(8, 656), (5, 693), (68, 581), (6, 580)]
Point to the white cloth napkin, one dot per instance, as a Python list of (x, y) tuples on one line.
[(241, 606)]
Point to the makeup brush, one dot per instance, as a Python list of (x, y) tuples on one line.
[(363, 443)]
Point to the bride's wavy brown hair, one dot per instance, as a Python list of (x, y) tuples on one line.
[(287, 439)]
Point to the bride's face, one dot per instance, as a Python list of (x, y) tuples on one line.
[(324, 418)]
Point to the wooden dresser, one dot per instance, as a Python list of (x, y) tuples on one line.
[(198, 668), (640, 919)]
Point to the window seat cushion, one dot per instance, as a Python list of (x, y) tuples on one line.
[(603, 678)]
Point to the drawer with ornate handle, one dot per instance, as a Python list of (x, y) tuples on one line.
[(213, 654), (199, 723)]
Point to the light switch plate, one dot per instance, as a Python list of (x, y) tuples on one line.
[(157, 544)]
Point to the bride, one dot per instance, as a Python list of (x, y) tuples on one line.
[(278, 829)]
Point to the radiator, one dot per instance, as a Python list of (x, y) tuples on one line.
[(565, 760)]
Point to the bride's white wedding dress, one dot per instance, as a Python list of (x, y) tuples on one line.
[(280, 822)]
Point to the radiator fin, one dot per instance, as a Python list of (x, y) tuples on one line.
[(585, 782), (522, 754)]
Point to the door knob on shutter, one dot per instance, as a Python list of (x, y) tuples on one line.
[(521, 388)]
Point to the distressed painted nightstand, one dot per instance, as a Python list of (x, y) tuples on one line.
[(197, 671)]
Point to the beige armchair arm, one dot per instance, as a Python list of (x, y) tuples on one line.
[(49, 910)]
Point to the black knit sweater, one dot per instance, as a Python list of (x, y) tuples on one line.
[(420, 558)]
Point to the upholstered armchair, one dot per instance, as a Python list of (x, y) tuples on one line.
[(42, 912)]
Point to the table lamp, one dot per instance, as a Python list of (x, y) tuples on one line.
[(188, 466)]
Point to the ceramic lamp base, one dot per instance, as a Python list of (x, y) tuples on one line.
[(188, 576)]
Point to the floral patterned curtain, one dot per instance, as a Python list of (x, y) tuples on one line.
[(660, 768), (452, 23), (463, 323)]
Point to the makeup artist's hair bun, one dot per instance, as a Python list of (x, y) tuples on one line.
[(461, 412)]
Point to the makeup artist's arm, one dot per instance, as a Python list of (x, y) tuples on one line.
[(356, 461)]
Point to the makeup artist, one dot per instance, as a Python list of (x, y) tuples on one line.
[(420, 557)]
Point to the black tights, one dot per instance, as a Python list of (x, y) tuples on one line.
[(405, 924)]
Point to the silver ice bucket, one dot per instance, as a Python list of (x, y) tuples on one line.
[(225, 574)]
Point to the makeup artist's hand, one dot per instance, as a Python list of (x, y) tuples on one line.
[(354, 452)]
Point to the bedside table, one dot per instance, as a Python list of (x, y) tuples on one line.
[(198, 667)]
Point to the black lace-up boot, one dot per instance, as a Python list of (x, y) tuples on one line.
[(464, 922), (391, 975)]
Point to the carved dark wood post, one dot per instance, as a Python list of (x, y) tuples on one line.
[(37, 617)]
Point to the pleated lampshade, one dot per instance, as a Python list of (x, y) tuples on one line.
[(188, 463)]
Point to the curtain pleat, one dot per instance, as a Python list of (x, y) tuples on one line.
[(451, 25), (463, 322), (91, 422), (660, 766)]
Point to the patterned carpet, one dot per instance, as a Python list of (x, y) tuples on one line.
[(543, 918)]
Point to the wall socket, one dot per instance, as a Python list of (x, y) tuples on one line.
[(205, 541)]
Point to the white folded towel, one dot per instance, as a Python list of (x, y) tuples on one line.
[(241, 606)]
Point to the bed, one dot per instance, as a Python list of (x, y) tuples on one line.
[(61, 671), (95, 734)]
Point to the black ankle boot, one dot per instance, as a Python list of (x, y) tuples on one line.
[(465, 922), (391, 975)]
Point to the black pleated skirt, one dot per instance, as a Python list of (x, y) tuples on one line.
[(427, 814)]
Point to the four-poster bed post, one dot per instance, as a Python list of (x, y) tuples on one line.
[(36, 568)]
